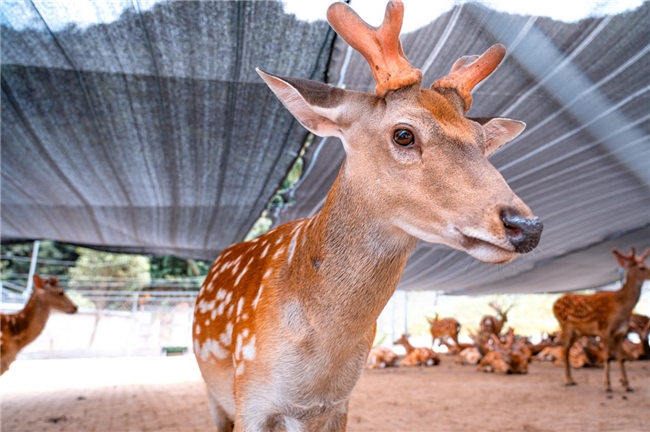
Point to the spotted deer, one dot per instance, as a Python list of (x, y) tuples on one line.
[(381, 357), (19, 330), (491, 324), (444, 329), (640, 324), (605, 314), (283, 323), (417, 356)]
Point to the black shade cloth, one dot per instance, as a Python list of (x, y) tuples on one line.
[(154, 134)]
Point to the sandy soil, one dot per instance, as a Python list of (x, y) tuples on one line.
[(143, 394)]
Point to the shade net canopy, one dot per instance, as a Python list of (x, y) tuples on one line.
[(147, 130)]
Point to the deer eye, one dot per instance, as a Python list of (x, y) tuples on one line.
[(403, 137)]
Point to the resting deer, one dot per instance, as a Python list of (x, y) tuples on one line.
[(444, 329), (640, 324), (381, 357), (283, 324), (493, 325), (604, 314), (18, 330), (417, 356)]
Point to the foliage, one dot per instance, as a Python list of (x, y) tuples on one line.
[(16, 258), (171, 267), (109, 271)]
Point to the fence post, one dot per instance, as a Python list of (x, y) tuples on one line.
[(32, 269)]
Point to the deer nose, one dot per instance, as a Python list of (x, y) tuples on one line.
[(523, 233)]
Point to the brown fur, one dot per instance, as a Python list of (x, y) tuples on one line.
[(19, 330), (443, 329), (491, 324), (603, 314), (417, 356), (283, 324)]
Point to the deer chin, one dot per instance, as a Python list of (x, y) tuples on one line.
[(485, 250)]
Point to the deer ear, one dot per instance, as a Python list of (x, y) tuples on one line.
[(315, 105), (499, 131), (38, 282)]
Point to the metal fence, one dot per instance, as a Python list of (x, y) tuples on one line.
[(112, 323)]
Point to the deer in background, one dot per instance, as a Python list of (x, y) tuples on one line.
[(640, 324), (284, 323), (417, 356), (19, 330), (493, 325), (604, 314), (444, 329), (381, 357)]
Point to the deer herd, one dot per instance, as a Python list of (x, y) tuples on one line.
[(284, 324)]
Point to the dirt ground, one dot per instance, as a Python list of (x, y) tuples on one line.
[(157, 393)]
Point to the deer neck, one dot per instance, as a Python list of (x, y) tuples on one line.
[(352, 261), (409, 348), (29, 322), (629, 294)]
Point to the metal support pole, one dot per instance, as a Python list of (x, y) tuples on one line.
[(32, 269), (406, 315)]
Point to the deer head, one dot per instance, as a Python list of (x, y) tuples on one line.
[(49, 292), (635, 267), (417, 164)]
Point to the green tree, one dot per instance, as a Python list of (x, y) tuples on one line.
[(103, 271)]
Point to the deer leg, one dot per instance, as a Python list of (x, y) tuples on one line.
[(569, 339), (219, 417), (621, 360), (608, 351)]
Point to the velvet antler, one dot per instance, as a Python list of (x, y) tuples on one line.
[(380, 46), (469, 71)]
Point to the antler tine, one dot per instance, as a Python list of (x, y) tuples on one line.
[(380, 46), (632, 254), (468, 71), (645, 255)]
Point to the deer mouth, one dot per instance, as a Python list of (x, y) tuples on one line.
[(485, 250)]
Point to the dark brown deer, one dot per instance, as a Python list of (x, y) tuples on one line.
[(491, 324), (18, 330), (604, 314), (283, 324)]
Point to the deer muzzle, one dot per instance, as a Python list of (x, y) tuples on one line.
[(523, 233)]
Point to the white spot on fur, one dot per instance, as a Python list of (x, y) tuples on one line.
[(240, 369), (240, 305), (220, 309), (197, 330), (221, 294), (279, 253), (239, 346), (212, 346), (245, 332), (266, 250), (226, 336), (230, 310), (207, 323), (257, 298), (292, 245), (204, 306), (243, 272), (248, 350), (268, 273), (228, 297)]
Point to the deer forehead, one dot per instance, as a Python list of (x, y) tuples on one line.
[(431, 116)]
